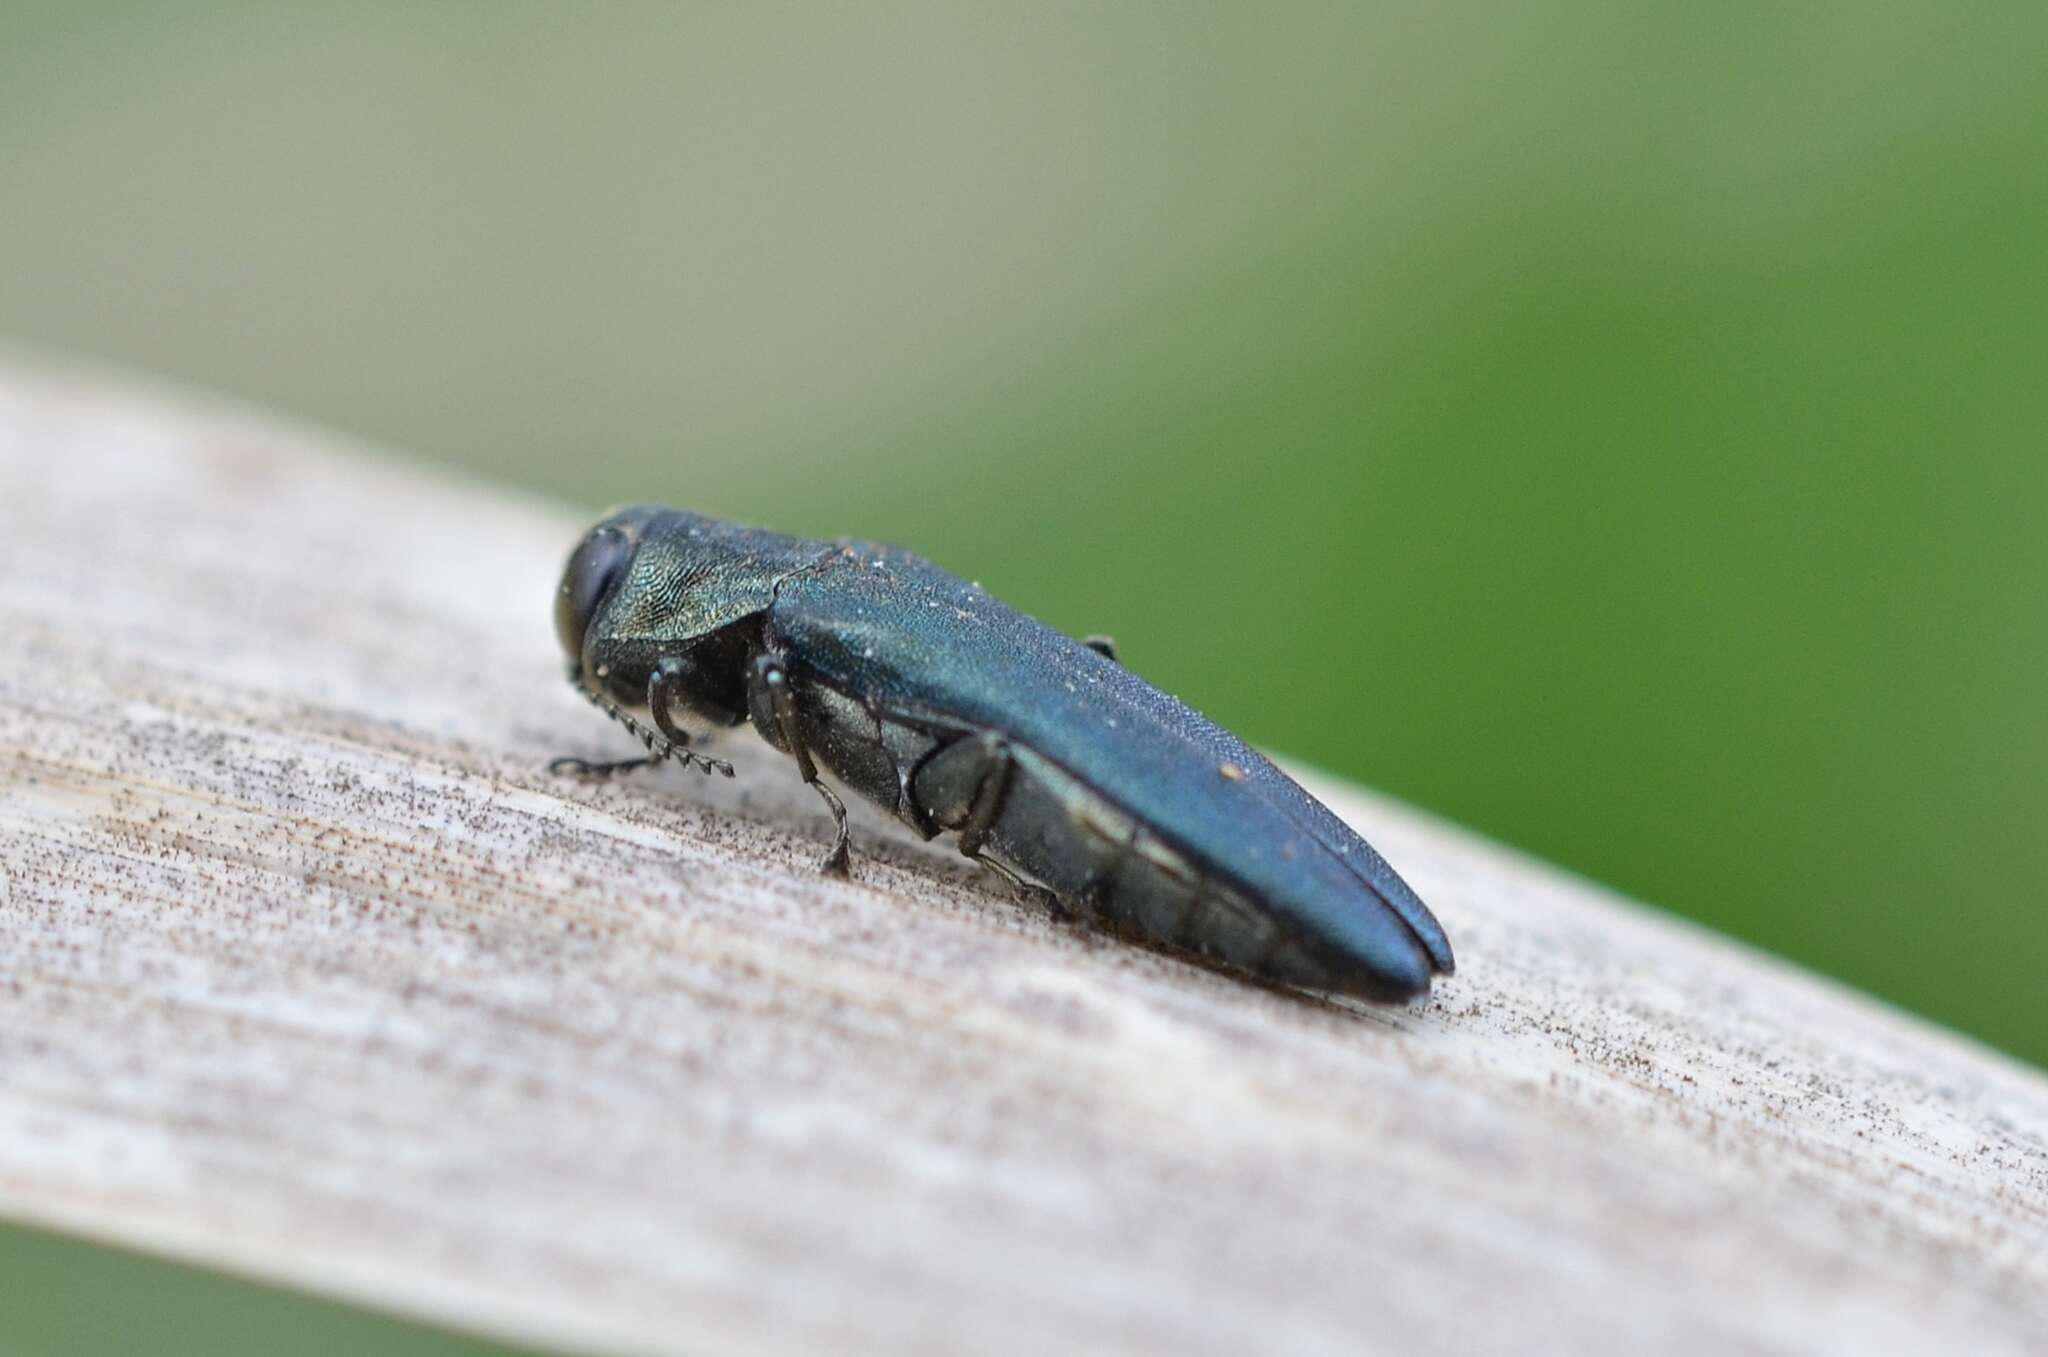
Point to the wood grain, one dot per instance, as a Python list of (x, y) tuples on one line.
[(310, 971)]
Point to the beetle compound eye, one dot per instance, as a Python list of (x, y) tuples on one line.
[(598, 562)]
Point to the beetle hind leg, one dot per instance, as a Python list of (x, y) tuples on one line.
[(963, 787), (1028, 891)]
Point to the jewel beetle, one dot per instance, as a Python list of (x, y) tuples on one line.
[(1052, 762)]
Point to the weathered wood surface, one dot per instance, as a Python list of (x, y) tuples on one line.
[(310, 971)]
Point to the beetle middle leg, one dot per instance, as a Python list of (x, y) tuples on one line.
[(770, 696)]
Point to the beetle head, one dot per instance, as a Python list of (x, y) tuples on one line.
[(647, 584)]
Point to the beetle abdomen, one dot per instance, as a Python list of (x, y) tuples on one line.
[(1106, 864)]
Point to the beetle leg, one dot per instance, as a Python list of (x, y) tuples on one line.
[(1104, 646), (663, 688), (985, 758), (666, 741), (988, 793), (772, 684), (988, 803), (1029, 891), (569, 763)]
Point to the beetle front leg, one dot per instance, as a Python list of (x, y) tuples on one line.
[(579, 767), (770, 684), (664, 690), (666, 686)]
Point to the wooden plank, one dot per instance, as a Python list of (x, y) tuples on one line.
[(309, 970)]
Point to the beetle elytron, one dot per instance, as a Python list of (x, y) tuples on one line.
[(1053, 763)]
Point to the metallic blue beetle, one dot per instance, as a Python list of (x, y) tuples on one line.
[(1053, 763)]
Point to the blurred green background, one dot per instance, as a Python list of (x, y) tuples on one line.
[(1621, 431)]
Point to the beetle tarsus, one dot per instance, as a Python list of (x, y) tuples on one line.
[(1054, 907), (570, 765), (838, 860), (1028, 892)]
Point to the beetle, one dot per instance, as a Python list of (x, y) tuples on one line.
[(1053, 763)]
